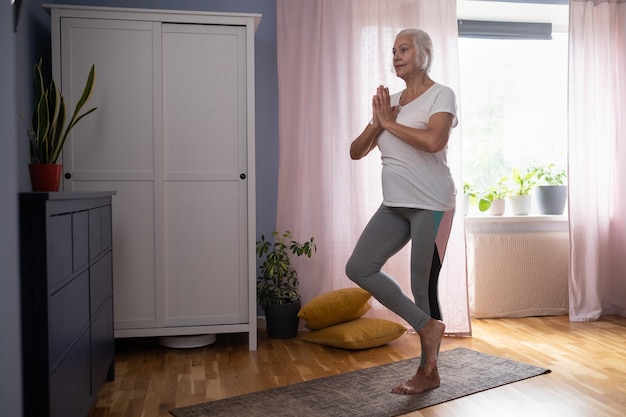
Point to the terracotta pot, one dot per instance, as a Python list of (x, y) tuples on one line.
[(45, 177)]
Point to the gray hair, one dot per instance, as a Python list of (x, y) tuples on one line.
[(423, 47)]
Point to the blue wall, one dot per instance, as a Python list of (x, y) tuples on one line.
[(20, 51), (10, 358)]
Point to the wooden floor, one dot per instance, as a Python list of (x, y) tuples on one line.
[(588, 363)]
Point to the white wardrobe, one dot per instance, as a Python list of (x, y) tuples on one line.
[(174, 137)]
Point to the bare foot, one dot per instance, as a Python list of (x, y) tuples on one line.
[(430, 337), (419, 383)]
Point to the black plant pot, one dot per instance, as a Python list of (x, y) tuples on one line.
[(551, 198), (282, 320)]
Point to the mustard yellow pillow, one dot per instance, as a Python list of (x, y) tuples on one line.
[(361, 333), (335, 307)]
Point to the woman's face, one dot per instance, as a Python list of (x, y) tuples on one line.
[(404, 56)]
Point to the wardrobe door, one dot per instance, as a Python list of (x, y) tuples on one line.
[(113, 148), (204, 185)]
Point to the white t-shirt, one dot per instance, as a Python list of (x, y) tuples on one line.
[(411, 177)]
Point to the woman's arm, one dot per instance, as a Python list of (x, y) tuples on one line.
[(367, 140), (432, 139)]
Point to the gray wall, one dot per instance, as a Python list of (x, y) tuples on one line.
[(20, 51)]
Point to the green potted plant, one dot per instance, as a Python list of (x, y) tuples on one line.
[(277, 285), (470, 195), (493, 198), (551, 189), (48, 130), (524, 183)]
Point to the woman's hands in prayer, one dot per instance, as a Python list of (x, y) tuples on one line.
[(382, 111)]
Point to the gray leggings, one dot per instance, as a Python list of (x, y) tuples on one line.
[(389, 230)]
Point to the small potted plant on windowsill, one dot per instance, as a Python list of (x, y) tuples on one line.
[(277, 286), (48, 131), (470, 196), (552, 190), (521, 198), (493, 199)]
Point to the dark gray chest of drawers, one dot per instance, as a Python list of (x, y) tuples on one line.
[(67, 300)]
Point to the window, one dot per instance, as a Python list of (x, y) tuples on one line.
[(514, 105), (513, 99)]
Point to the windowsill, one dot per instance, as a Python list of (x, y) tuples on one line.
[(488, 218), (484, 223)]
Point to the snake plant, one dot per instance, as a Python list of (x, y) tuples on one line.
[(48, 131)]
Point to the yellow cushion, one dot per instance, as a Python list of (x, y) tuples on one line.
[(335, 307), (361, 333)]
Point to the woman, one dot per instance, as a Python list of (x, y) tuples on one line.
[(411, 128)]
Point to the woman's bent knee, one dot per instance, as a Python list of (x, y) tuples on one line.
[(355, 270), (351, 269)]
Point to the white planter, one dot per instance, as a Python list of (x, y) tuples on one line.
[(520, 204), (497, 207)]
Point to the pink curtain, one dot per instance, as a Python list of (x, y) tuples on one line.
[(597, 155), (332, 54)]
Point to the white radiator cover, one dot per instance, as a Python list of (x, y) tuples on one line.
[(518, 274)]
